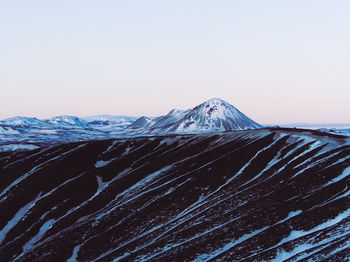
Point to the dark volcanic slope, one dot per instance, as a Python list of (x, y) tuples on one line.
[(248, 195)]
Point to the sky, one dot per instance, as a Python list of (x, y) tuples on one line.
[(276, 61)]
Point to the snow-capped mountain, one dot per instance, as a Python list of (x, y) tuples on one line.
[(214, 115), (22, 121), (67, 120), (33, 122)]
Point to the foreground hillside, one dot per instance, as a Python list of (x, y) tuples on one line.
[(254, 195)]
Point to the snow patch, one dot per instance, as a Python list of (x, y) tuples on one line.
[(102, 163), (74, 256), (43, 229)]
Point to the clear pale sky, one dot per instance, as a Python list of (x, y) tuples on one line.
[(277, 61)]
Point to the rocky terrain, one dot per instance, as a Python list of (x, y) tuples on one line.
[(252, 195)]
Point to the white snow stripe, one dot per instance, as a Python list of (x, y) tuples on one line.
[(74, 256), (16, 218), (34, 169), (296, 234)]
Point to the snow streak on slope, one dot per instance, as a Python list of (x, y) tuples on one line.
[(210, 197)]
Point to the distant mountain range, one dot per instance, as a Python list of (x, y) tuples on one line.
[(214, 115), (318, 125), (99, 121), (345, 131)]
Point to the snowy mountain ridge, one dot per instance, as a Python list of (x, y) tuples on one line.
[(67, 120), (345, 131), (214, 115), (21, 121), (111, 118)]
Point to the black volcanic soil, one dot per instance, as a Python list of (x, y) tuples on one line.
[(258, 195)]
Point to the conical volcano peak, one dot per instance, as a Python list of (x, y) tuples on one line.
[(216, 108), (213, 115), (214, 102)]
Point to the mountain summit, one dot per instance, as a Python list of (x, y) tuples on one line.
[(214, 115)]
